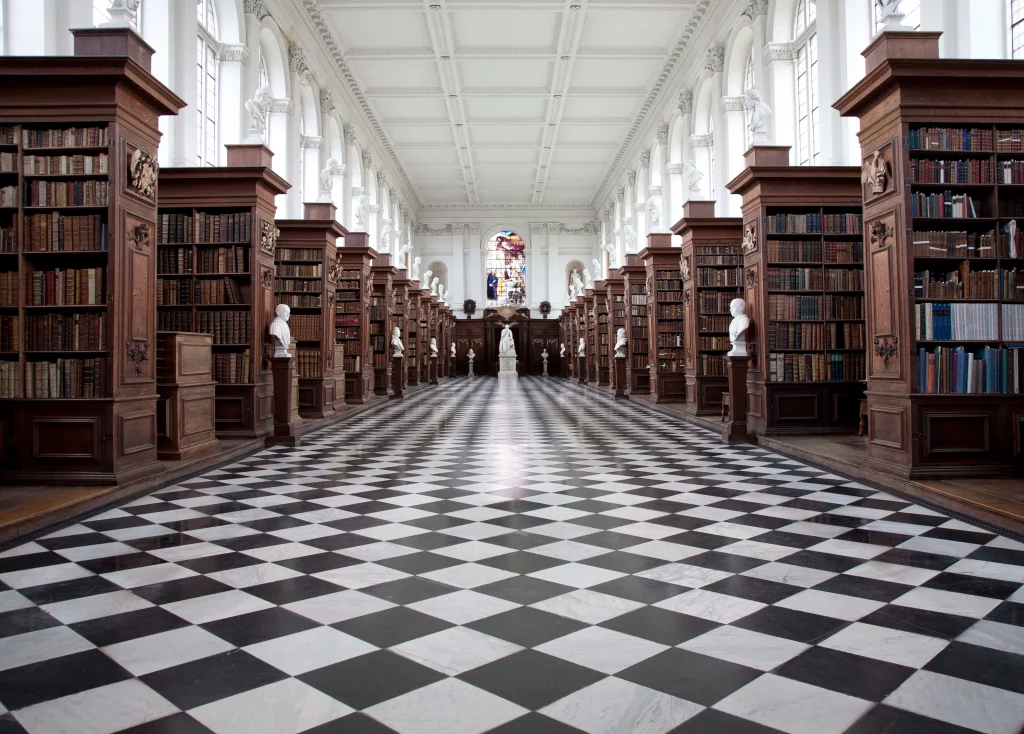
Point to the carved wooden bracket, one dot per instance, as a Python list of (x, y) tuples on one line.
[(686, 298), (684, 267), (268, 236), (137, 352), (267, 277), (749, 243), (751, 277), (887, 348), (881, 233), (139, 236), (875, 174), (143, 170)]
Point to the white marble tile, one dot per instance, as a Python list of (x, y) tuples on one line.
[(189, 552), (39, 645), (883, 643), (814, 529), (166, 649), (471, 551), (602, 649), (456, 650), (285, 707), (462, 607), (665, 551), (468, 575), (896, 528), (93, 607), (759, 550), (840, 606), (988, 570), (786, 513), (12, 600), (734, 530), (681, 574), (283, 551), (73, 530), (867, 513), (449, 706), (221, 532), (475, 514), (260, 573), (44, 575), (949, 602), (203, 609), (141, 531), (942, 547), (849, 549), (255, 513), (615, 706), (894, 572), (711, 605), (744, 647), (100, 550), (577, 574), (102, 710), (305, 651), (333, 608), (787, 573), (569, 550), (134, 577), (564, 530), (476, 531), (971, 705), (648, 530), (175, 515), (377, 551), (794, 707), (1006, 543), (358, 577), (305, 532), (998, 636), (587, 606)]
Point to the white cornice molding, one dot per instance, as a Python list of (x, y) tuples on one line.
[(702, 141), (756, 8), (778, 52), (731, 104), (587, 229), (281, 105), (311, 141), (233, 52)]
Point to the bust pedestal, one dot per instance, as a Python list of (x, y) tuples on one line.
[(432, 374), (620, 376), (582, 371), (286, 402), (470, 366), (397, 373), (735, 430), (507, 366), (545, 366)]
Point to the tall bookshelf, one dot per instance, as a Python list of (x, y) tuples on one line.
[(714, 260), (306, 280), (381, 307), (423, 332), (400, 318), (447, 332), (945, 390), (216, 261), (77, 265), (590, 323), (351, 317), (412, 343), (636, 290), (667, 343), (604, 350), (803, 277), (615, 292), (580, 312)]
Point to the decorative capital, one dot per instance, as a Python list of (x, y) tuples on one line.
[(714, 58), (756, 8), (233, 52), (620, 195), (382, 180), (349, 133), (686, 102), (367, 159), (326, 101), (645, 159), (631, 178), (663, 133), (297, 60), (731, 104), (311, 141), (336, 169), (674, 168), (255, 7), (476, 227), (778, 52), (705, 140), (282, 105)]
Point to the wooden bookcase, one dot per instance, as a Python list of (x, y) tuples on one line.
[(604, 349), (412, 344), (445, 343), (923, 417), (306, 257), (381, 307), (580, 312), (667, 342), (615, 292), (78, 139), (590, 324), (802, 378), (563, 337), (423, 333), (400, 310), (636, 291), (714, 261), (352, 316), (216, 247)]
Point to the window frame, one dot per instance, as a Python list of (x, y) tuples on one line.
[(207, 85), (805, 69), (1012, 7)]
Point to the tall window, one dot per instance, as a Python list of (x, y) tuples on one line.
[(506, 270), (748, 83), (1017, 29), (206, 84), (806, 42), (911, 10)]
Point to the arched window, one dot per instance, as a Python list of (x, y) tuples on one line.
[(805, 37), (506, 270), (748, 83), (1016, 10), (911, 10), (206, 84)]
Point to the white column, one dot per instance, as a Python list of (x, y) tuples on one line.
[(556, 276), (686, 110), (184, 34), (280, 124), (231, 127), (779, 58), (309, 148), (476, 277), (735, 145), (677, 194), (159, 17), (372, 225), (251, 64), (701, 147)]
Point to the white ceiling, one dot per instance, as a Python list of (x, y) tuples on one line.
[(521, 102)]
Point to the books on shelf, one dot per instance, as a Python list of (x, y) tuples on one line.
[(305, 327), (66, 378), (795, 279), (723, 255), (954, 370), (56, 232), (79, 332), (299, 271), (64, 165), (1010, 141), (66, 193), (953, 244), (78, 287), (714, 323), (175, 229), (216, 291), (718, 277), (225, 227), (173, 292), (298, 301), (8, 238), (844, 307), (177, 320), (70, 137), (9, 288), (9, 333), (9, 196), (1011, 172), (709, 302), (10, 379), (833, 367), (950, 138), (227, 327), (308, 362), (786, 335), (713, 343), (798, 251), (793, 308), (712, 365), (963, 283), (1013, 322), (233, 368), (844, 253), (945, 205), (846, 279), (221, 259), (299, 253), (846, 223), (957, 321), (936, 171)]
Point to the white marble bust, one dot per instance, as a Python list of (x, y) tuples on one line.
[(582, 350), (280, 330), (415, 275), (620, 344), (453, 349), (433, 286), (738, 328), (397, 348), (471, 355), (507, 345), (561, 351), (433, 348), (544, 355), (588, 278)]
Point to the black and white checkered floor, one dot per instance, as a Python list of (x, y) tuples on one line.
[(514, 558)]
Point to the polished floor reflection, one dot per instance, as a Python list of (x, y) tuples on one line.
[(514, 558)]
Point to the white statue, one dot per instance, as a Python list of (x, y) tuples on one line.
[(693, 178), (403, 255), (544, 357), (433, 348), (561, 351), (630, 238), (597, 267), (888, 13), (620, 344), (654, 211), (415, 275), (758, 112), (613, 255), (581, 351), (433, 286), (577, 284), (327, 181), (453, 350), (361, 210), (448, 299), (738, 328), (280, 330), (470, 355), (426, 278), (258, 108), (588, 278), (397, 348), (440, 292), (507, 345), (385, 240)]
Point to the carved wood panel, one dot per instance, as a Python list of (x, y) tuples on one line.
[(883, 275)]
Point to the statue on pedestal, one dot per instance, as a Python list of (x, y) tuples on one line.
[(397, 348), (471, 355), (582, 350), (588, 278), (258, 108), (426, 278), (544, 357), (577, 284), (889, 13), (613, 255), (453, 350), (433, 348), (415, 274), (561, 351), (280, 330), (403, 255), (693, 178), (738, 328), (620, 344), (630, 239), (440, 292), (507, 345), (433, 286)]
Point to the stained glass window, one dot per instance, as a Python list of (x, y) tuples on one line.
[(506, 270)]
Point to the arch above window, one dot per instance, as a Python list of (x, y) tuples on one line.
[(505, 259)]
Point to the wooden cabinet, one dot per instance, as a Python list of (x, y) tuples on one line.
[(186, 409), (382, 304)]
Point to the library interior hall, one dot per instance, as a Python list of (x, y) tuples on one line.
[(511, 366)]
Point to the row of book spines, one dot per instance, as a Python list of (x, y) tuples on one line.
[(9, 196), (965, 284), (306, 327), (77, 287), (669, 341), (70, 137), (226, 327), (84, 332), (10, 334), (210, 291), (55, 232), (708, 260), (933, 171), (66, 378), (714, 302), (812, 279), (667, 365), (669, 284), (640, 361), (205, 228), (9, 288), (845, 367), (955, 371), (712, 365), (815, 336), (791, 308), (299, 301), (223, 260), (309, 362), (233, 368), (299, 271), (713, 323), (671, 312), (1011, 172), (1011, 206), (814, 223), (713, 343), (305, 286), (945, 205), (66, 193), (285, 254), (718, 278), (8, 238), (802, 251), (10, 379), (60, 165), (944, 138), (968, 321)]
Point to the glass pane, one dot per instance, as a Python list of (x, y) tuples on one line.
[(506, 270)]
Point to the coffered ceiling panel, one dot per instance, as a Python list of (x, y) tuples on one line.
[(506, 102)]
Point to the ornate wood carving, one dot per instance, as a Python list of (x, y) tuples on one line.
[(142, 173), (137, 351), (749, 242), (751, 277), (267, 278), (268, 236), (139, 235), (886, 348), (875, 175), (881, 233), (684, 267)]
